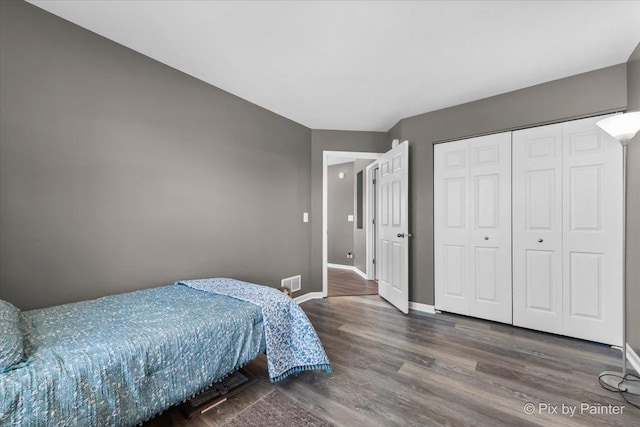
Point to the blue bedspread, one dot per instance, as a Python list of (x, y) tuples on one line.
[(291, 342), (121, 359)]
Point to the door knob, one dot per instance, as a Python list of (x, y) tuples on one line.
[(404, 234), (486, 237), (540, 240)]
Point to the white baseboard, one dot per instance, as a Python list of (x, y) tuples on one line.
[(416, 306), (308, 296), (350, 268), (340, 266), (633, 359), (360, 273), (424, 308)]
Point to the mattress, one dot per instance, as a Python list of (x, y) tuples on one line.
[(121, 359)]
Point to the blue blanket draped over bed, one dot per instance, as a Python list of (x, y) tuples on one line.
[(291, 342), (119, 360)]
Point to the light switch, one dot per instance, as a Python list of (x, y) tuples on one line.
[(350, 218), (305, 217)]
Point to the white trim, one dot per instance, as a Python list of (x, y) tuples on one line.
[(424, 308), (360, 273), (348, 267), (633, 359), (340, 266), (307, 297), (369, 215), (325, 162)]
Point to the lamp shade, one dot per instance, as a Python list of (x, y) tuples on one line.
[(622, 127)]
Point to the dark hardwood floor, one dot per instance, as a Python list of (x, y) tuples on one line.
[(420, 370), (348, 283)]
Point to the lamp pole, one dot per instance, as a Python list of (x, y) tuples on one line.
[(625, 144)]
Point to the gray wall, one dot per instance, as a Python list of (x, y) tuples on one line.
[(633, 208), (584, 94), (332, 140), (360, 234), (340, 197), (119, 173)]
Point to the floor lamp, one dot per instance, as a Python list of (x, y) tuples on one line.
[(622, 127)]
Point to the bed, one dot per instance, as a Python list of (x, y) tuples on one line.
[(122, 359)]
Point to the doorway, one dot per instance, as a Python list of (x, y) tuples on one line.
[(392, 222), (348, 224)]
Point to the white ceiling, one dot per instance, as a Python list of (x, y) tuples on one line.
[(365, 65)]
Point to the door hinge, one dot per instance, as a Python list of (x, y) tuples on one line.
[(374, 182), (374, 260), (374, 221)]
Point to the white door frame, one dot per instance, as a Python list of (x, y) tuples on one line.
[(325, 227), (369, 215)]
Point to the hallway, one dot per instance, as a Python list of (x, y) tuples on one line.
[(348, 283)]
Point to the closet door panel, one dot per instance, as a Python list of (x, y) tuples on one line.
[(592, 228), (537, 228), (490, 234), (451, 226)]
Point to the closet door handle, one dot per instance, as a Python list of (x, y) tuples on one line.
[(486, 237), (540, 240)]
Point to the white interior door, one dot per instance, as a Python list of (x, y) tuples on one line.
[(472, 227), (393, 221), (451, 226), (490, 220), (537, 228), (592, 228)]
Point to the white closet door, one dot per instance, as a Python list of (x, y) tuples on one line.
[(490, 221), (537, 228), (451, 226), (472, 227), (592, 227)]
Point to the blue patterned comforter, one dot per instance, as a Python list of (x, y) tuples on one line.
[(121, 359), (291, 342)]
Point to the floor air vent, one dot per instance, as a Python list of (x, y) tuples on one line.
[(293, 283)]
